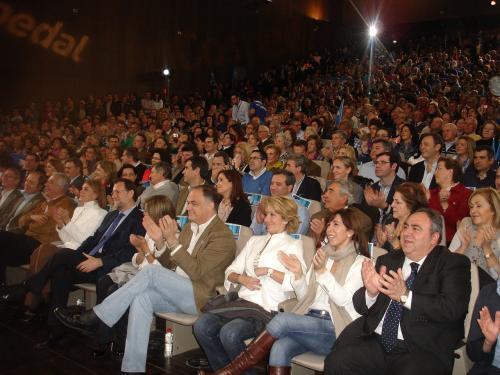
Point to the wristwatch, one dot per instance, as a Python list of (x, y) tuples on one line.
[(404, 296), (269, 272)]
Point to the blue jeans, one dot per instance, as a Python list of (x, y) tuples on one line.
[(298, 334), (221, 340), (154, 289)]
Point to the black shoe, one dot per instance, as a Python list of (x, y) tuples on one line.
[(14, 294), (54, 338), (86, 322), (107, 350)]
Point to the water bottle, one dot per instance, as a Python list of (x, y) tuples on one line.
[(169, 343)]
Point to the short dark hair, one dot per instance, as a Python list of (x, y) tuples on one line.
[(453, 164), (201, 163), (223, 155), (289, 177), (77, 162), (300, 143), (261, 153), (385, 143), (210, 193), (133, 153), (129, 185), (486, 148), (126, 166), (393, 157), (436, 138), (300, 161)]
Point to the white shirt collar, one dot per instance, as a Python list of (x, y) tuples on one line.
[(199, 229), (260, 173)]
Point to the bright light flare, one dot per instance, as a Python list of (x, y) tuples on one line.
[(372, 31), (166, 72)]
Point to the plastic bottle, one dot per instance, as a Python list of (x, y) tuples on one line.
[(169, 343)]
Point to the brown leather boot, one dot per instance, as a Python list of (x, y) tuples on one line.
[(284, 370), (253, 354)]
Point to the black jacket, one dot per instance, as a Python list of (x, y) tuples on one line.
[(241, 214), (417, 174), (117, 249), (310, 189), (434, 325)]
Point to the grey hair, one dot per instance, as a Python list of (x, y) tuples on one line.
[(436, 220), (300, 161), (62, 180), (163, 168), (345, 190)]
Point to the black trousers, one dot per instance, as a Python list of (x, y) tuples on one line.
[(61, 271), (365, 355), (15, 250), (118, 333)]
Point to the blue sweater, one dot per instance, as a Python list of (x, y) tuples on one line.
[(259, 186)]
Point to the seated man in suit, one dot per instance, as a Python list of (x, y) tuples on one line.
[(431, 145), (31, 197), (37, 225), (131, 156), (219, 162), (194, 174), (305, 186), (413, 306), (107, 248), (160, 184), (73, 169), (10, 196), (203, 251)]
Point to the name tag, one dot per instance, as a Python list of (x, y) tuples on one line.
[(301, 201), (254, 198), (235, 229), (297, 236)]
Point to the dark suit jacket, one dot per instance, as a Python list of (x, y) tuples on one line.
[(205, 266), (417, 173), (241, 214), (13, 223), (374, 212), (78, 182), (310, 189), (8, 207), (313, 169), (434, 325), (117, 249)]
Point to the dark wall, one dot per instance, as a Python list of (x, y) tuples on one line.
[(130, 42)]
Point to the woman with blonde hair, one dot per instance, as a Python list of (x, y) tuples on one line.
[(263, 282), (324, 293), (241, 156), (478, 236), (344, 168), (465, 147)]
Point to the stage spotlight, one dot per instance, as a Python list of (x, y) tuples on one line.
[(166, 72), (372, 31), (394, 41), (493, 3)]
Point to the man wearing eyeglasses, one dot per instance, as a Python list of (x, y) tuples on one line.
[(258, 180)]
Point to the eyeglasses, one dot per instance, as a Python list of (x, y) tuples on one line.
[(381, 162), (255, 158)]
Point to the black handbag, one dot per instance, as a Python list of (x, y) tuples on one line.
[(229, 306)]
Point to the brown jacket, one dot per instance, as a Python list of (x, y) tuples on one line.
[(205, 266), (46, 233)]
